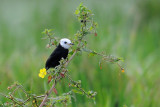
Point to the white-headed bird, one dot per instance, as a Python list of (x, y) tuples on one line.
[(60, 52)]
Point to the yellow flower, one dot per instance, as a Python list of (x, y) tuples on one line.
[(122, 70), (42, 73)]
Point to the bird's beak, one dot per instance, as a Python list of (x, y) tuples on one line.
[(71, 44)]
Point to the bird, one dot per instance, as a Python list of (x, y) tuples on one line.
[(60, 52)]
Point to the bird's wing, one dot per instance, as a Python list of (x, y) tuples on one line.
[(53, 59)]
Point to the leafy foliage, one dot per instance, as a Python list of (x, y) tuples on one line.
[(88, 26)]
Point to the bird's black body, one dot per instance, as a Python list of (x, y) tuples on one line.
[(56, 56)]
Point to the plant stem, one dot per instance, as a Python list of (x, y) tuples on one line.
[(47, 94)]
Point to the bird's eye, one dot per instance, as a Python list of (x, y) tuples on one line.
[(65, 42)]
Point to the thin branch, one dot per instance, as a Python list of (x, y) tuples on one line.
[(81, 89), (78, 46), (4, 95), (11, 98), (21, 87), (40, 96), (47, 94), (71, 58), (26, 100)]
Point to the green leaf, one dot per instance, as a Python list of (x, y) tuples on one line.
[(50, 30), (77, 91), (45, 31), (71, 52), (91, 28), (91, 54), (120, 58), (77, 12), (79, 81), (95, 24), (60, 99), (55, 42), (81, 4)]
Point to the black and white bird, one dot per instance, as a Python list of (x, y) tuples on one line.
[(60, 52)]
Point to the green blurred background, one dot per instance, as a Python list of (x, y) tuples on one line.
[(126, 28)]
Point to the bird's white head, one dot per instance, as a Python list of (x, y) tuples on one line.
[(66, 43)]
